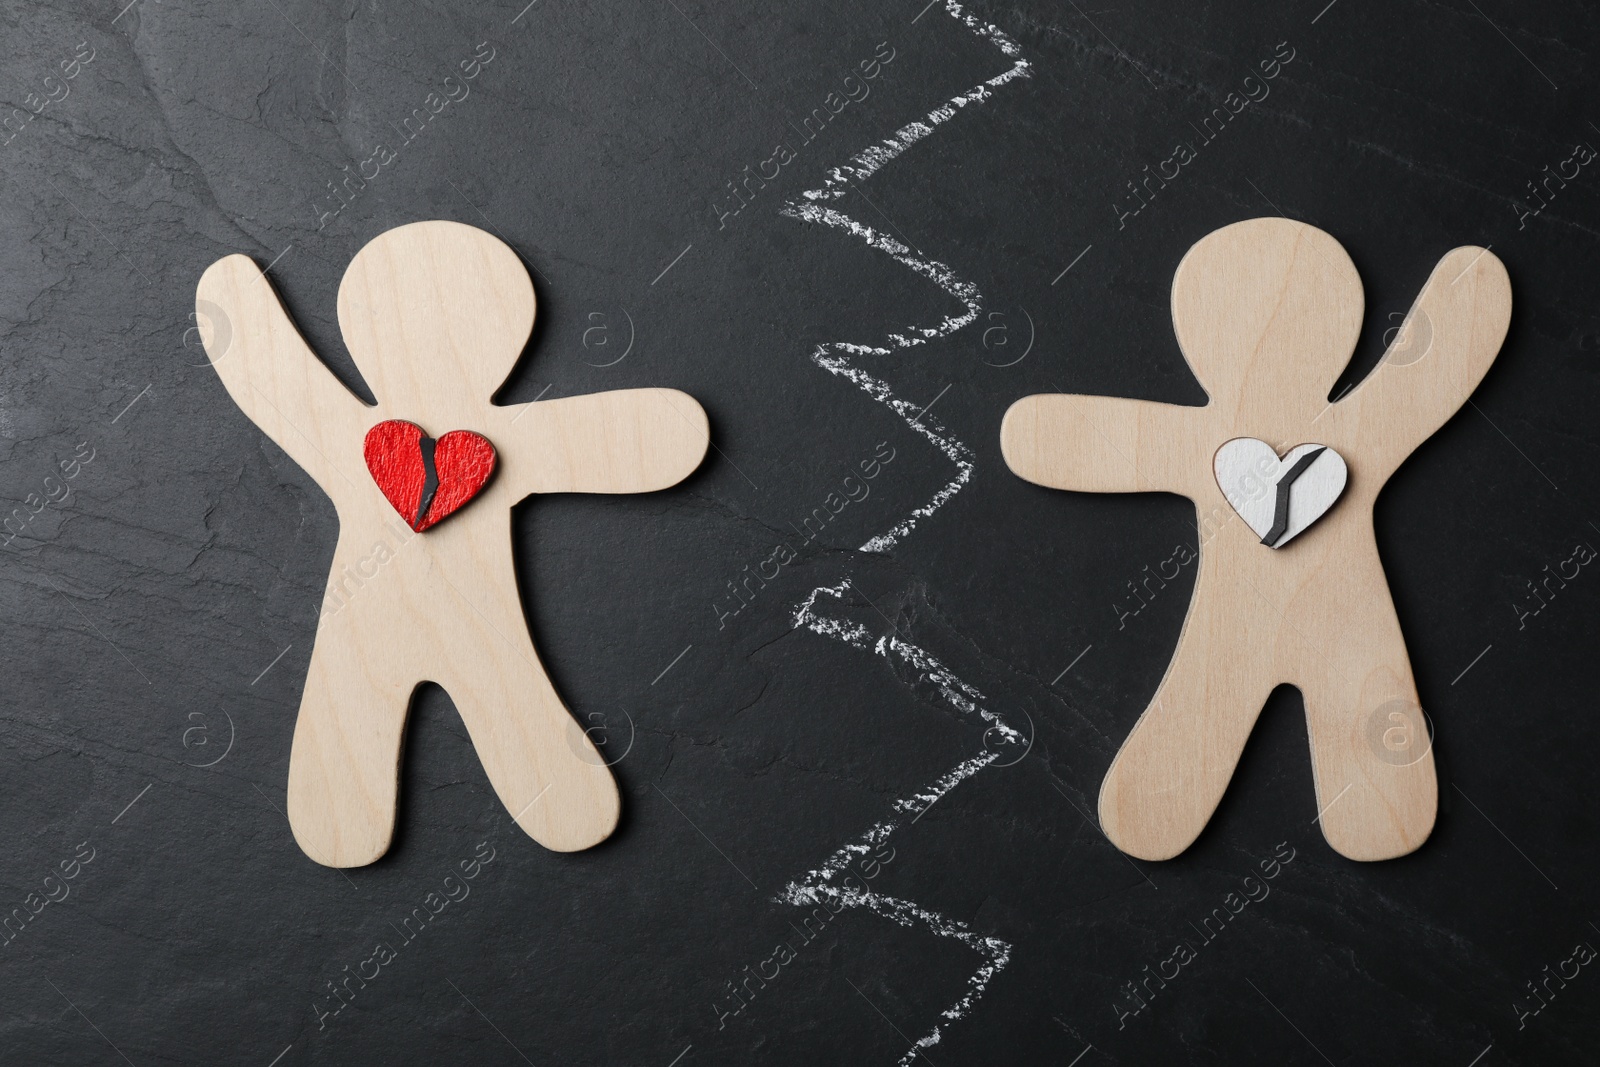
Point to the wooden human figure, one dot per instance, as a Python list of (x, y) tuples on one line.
[(1267, 313), (435, 315)]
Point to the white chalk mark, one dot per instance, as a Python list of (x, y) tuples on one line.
[(957, 451), (525, 10), (280, 1055), (838, 358), (816, 887), (680, 1056), (1481, 1055), (924, 811), (872, 159), (1324, 11)]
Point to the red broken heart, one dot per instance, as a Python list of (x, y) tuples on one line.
[(427, 480)]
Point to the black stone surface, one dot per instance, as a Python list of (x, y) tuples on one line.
[(158, 614)]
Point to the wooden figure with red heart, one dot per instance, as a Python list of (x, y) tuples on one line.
[(435, 315), (1289, 587)]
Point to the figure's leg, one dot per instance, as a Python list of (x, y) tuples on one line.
[(541, 763), (345, 766), (1370, 747), (1172, 770)]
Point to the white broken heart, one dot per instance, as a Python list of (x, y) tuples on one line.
[(1279, 498)]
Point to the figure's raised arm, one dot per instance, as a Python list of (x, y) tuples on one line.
[(1105, 444), (626, 441), (271, 373), (1441, 352)]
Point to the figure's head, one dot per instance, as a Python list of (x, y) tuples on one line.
[(1267, 308), (435, 315)]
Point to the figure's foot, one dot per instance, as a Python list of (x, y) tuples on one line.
[(539, 759), (1377, 793), (330, 828), (574, 813), (1150, 813), (1381, 820)]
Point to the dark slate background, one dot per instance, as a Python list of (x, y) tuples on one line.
[(158, 620)]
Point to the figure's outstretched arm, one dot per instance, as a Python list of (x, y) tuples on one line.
[(626, 441), (273, 376), (1104, 444), (1441, 352)]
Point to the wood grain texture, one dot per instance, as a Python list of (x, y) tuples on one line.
[(435, 314), (1267, 313)]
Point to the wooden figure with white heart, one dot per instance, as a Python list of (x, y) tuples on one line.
[(1289, 587), (435, 315)]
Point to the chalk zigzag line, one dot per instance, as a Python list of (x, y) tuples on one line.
[(837, 358), (817, 886)]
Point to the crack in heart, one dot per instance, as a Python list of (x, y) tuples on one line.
[(430, 479), (424, 479), (1279, 498)]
